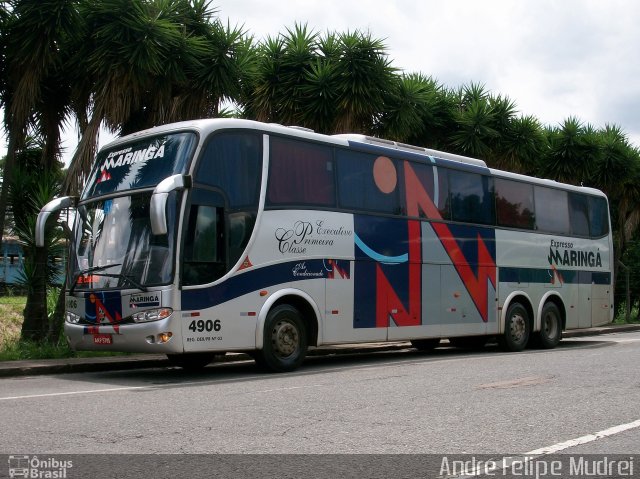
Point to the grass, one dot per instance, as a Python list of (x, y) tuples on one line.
[(13, 349), (11, 308), (620, 318)]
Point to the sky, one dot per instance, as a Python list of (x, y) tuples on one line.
[(553, 58)]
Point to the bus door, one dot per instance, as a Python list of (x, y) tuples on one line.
[(585, 297), (600, 298)]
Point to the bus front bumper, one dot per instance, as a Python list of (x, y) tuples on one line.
[(163, 336)]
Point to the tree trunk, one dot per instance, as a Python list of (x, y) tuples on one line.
[(36, 323), (57, 320), (7, 176)]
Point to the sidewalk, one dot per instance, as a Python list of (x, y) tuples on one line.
[(138, 361)]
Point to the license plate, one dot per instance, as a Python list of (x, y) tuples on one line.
[(102, 339)]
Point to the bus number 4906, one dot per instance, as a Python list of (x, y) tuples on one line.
[(201, 325)]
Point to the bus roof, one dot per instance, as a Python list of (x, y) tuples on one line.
[(206, 126), (411, 148)]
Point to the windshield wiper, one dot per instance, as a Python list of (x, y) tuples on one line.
[(102, 268), (84, 272), (127, 278)]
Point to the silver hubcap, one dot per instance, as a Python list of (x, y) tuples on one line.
[(550, 325), (517, 327), (284, 338)]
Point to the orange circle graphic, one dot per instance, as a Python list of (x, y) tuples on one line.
[(384, 174)]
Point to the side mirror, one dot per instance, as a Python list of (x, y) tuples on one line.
[(158, 212), (51, 207)]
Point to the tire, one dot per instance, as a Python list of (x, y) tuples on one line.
[(425, 344), (517, 328), (191, 361), (550, 332), (469, 342), (285, 340)]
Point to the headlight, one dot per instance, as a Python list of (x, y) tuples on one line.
[(72, 318), (152, 315)]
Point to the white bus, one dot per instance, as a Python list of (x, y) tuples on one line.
[(198, 238)]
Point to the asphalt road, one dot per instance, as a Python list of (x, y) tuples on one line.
[(446, 402)]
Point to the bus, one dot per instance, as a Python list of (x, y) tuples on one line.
[(204, 237)]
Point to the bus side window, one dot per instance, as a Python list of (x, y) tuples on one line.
[(204, 251), (434, 183), (471, 197), (300, 173), (552, 210), (369, 182), (579, 214), (514, 204), (598, 217)]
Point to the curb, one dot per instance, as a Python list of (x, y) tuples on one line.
[(619, 328), (147, 361)]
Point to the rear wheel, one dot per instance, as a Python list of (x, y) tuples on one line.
[(192, 361), (517, 328), (550, 327), (425, 344), (285, 340)]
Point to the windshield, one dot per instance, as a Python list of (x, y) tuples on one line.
[(143, 163), (114, 246)]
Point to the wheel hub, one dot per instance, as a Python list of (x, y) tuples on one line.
[(285, 338), (518, 327)]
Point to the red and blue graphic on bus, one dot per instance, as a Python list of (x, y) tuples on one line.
[(104, 307), (388, 268), (389, 257)]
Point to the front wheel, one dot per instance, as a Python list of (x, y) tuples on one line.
[(550, 327), (285, 340), (517, 328)]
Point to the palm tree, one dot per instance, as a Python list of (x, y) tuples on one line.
[(35, 89), (35, 93), (411, 109), (149, 62), (30, 190), (365, 74), (222, 62), (617, 172), (475, 132), (573, 150), (521, 144), (321, 87), (336, 83), (279, 83)]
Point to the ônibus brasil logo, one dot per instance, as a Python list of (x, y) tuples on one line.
[(41, 468)]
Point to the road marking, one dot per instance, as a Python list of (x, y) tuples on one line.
[(127, 388), (504, 463), (399, 362), (290, 388), (544, 451), (71, 393)]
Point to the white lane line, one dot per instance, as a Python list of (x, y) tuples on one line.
[(501, 465), (345, 368), (71, 393), (150, 387), (544, 451), (289, 389), (133, 388)]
